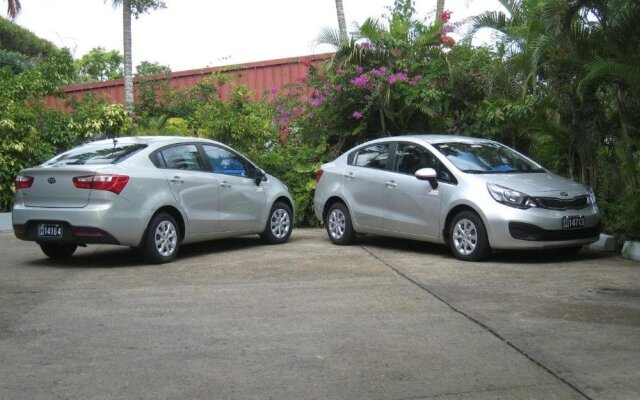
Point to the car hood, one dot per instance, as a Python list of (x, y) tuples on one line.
[(539, 184)]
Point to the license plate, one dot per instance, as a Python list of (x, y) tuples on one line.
[(49, 230), (572, 222)]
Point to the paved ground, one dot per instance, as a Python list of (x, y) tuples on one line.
[(385, 319)]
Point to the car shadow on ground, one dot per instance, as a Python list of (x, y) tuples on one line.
[(543, 256), (103, 256)]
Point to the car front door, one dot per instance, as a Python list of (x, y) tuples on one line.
[(195, 189), (413, 206), (364, 184), (242, 200)]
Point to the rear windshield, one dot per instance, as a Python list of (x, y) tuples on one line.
[(95, 154)]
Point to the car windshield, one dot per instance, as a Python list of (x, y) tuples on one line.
[(486, 158), (94, 153)]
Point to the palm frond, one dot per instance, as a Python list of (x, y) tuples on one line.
[(601, 70)]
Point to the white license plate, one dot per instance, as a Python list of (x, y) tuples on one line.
[(573, 222), (49, 230)]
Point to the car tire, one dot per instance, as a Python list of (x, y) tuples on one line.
[(58, 250), (162, 239), (338, 224), (468, 237), (279, 224)]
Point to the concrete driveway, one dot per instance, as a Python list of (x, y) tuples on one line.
[(384, 319)]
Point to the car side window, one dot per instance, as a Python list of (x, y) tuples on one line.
[(225, 162), (375, 156), (183, 157), (411, 157)]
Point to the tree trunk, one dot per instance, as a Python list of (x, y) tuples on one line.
[(342, 25), (128, 70), (439, 8)]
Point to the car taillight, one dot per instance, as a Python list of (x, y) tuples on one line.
[(24, 181), (319, 175), (111, 183)]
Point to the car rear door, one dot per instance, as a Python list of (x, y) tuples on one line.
[(364, 184), (194, 188)]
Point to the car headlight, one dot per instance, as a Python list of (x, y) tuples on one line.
[(510, 197)]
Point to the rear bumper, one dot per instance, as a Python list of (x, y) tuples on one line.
[(100, 223), (70, 233)]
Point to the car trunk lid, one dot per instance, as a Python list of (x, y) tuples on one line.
[(53, 187)]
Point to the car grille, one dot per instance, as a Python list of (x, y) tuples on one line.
[(552, 203), (532, 233)]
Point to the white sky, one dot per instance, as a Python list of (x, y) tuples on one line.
[(192, 34)]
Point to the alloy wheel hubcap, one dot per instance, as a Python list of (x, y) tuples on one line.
[(166, 238), (465, 237), (337, 224), (280, 223)]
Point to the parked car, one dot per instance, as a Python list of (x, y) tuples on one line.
[(472, 194), (151, 193)]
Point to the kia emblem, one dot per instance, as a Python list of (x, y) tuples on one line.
[(51, 180), (565, 194)]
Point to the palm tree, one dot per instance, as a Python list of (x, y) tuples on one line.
[(135, 8), (439, 8), (13, 8), (342, 25)]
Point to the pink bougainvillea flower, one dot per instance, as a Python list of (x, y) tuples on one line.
[(365, 45), (360, 81), (447, 40), (274, 90), (445, 16), (359, 70), (357, 115)]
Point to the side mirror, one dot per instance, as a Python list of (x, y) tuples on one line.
[(259, 176), (429, 175)]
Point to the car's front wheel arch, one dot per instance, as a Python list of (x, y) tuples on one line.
[(455, 211)]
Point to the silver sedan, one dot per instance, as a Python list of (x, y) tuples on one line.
[(473, 194), (151, 193)]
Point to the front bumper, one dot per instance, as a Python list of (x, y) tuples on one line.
[(510, 228)]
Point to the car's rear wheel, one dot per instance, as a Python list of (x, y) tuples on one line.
[(58, 250), (468, 237), (162, 239), (279, 224), (338, 224)]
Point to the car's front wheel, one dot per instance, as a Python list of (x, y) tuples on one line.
[(338, 224), (162, 239), (279, 224), (58, 250), (468, 237)]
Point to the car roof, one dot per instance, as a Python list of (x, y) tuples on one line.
[(435, 139), (149, 140)]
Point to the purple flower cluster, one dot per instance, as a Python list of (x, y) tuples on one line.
[(361, 80), (316, 98), (398, 77), (357, 115)]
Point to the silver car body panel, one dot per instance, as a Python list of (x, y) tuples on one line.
[(393, 204), (211, 205)]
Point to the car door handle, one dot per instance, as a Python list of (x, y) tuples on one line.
[(177, 180), (349, 175), (391, 184), (225, 184)]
